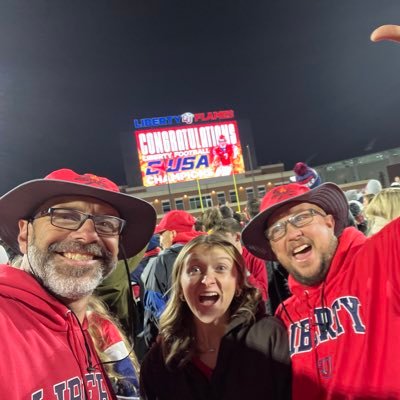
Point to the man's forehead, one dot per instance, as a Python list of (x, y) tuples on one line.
[(289, 209), (79, 201)]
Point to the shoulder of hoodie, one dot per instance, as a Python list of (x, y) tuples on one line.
[(268, 335)]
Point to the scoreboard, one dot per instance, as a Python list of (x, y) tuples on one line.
[(181, 148)]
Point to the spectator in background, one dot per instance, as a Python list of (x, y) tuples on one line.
[(396, 182), (353, 194), (356, 210), (305, 175), (198, 225), (226, 211), (211, 217), (176, 229), (252, 208), (152, 251), (372, 188), (230, 229), (239, 218), (382, 209), (215, 340)]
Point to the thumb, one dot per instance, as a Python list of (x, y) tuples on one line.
[(386, 32)]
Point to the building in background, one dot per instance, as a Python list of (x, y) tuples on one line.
[(384, 166), (193, 161)]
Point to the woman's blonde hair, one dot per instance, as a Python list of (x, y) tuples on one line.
[(98, 310), (176, 323), (384, 207)]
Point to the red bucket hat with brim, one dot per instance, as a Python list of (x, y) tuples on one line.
[(22, 201), (327, 196)]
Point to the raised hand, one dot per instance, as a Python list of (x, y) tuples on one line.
[(386, 32)]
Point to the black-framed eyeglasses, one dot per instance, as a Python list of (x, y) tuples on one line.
[(68, 218), (278, 231)]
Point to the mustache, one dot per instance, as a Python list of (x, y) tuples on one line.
[(78, 247)]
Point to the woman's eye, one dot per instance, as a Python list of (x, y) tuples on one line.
[(194, 271), (221, 268)]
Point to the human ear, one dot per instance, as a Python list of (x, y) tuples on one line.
[(330, 221), (23, 226), (237, 237)]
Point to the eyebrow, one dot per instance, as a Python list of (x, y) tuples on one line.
[(197, 259)]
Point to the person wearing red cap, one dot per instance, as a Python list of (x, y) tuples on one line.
[(343, 315), (68, 229), (176, 229)]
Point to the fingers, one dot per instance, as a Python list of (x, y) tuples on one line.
[(386, 32)]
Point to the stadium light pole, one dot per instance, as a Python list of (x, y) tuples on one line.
[(164, 168), (170, 194), (252, 172)]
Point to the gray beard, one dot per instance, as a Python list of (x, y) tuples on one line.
[(62, 280)]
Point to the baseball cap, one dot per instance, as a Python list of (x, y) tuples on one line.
[(176, 220)]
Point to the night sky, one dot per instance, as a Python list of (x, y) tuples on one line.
[(73, 75)]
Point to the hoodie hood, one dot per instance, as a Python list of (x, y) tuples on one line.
[(185, 237), (35, 322), (19, 285)]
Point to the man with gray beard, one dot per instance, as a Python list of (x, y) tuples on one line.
[(69, 229)]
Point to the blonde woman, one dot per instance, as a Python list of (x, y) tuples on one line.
[(384, 207), (215, 341)]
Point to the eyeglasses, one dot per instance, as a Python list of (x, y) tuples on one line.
[(67, 218), (278, 231)]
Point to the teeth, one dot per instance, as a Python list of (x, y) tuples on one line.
[(300, 248), (209, 294), (78, 256)]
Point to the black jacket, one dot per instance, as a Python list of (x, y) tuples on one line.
[(253, 363)]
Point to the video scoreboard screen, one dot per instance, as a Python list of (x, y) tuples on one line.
[(181, 148)]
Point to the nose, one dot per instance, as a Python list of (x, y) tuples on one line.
[(293, 233), (86, 233), (208, 279)]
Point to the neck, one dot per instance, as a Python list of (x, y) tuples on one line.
[(78, 307), (208, 336)]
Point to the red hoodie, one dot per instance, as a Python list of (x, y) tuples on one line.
[(258, 272), (354, 352), (43, 350)]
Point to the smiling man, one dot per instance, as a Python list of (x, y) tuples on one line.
[(343, 316), (68, 228)]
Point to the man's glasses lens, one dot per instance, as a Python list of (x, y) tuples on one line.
[(73, 220), (277, 231)]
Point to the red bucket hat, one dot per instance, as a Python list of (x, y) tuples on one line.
[(327, 196), (176, 220), (22, 201)]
